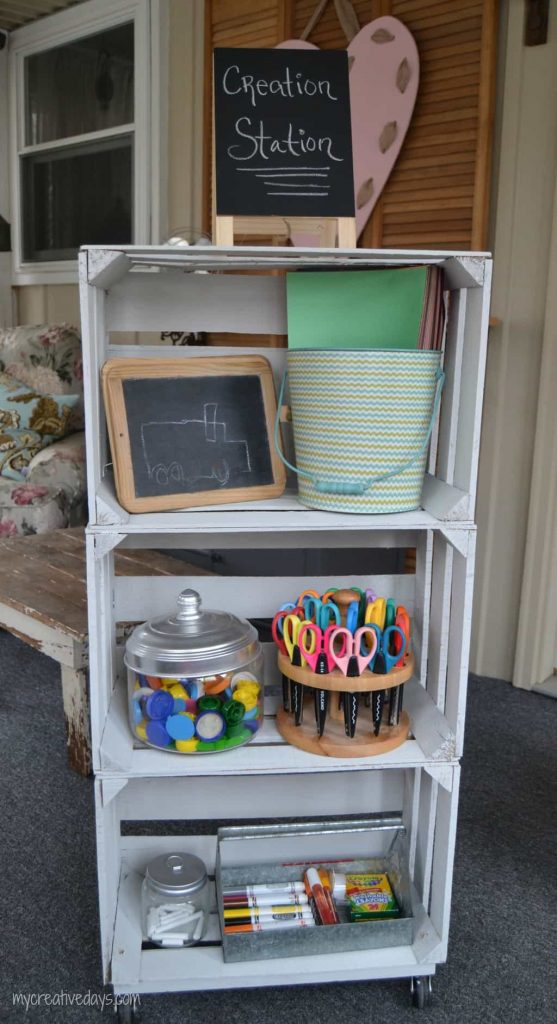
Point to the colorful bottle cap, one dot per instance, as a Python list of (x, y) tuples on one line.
[(243, 677), (216, 685), (252, 724), (191, 706), (153, 681), (192, 689), (187, 746), (210, 726), (137, 712), (159, 705), (157, 734), (252, 713), (177, 690), (180, 727), (233, 711), (179, 705), (167, 682), (208, 703), (141, 731)]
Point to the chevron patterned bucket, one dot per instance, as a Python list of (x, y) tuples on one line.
[(362, 423)]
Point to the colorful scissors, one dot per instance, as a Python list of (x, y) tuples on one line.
[(320, 661), (322, 613), (277, 630), (306, 593), (352, 616), (368, 596), (395, 701), (376, 613), (351, 663), (383, 663), (291, 633), (350, 659)]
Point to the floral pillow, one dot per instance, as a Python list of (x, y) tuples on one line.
[(17, 448), (54, 348), (21, 407)]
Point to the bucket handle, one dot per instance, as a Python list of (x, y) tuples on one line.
[(326, 486)]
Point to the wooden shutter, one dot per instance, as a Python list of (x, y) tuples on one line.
[(437, 195)]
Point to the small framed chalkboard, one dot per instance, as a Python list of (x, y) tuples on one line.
[(187, 432), (282, 133)]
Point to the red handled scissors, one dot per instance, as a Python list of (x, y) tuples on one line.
[(319, 657)]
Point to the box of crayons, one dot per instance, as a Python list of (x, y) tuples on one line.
[(306, 888)]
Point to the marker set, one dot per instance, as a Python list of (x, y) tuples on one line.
[(309, 902)]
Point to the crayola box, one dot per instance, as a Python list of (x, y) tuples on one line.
[(370, 897)]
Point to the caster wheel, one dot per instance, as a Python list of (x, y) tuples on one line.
[(126, 1015), (421, 991)]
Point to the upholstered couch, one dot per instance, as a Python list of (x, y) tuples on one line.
[(42, 450)]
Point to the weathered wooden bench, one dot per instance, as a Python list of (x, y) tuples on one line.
[(43, 601)]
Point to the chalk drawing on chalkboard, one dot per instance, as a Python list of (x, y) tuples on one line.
[(201, 450)]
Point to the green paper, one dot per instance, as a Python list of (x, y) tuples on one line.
[(356, 309)]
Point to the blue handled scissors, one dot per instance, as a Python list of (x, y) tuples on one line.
[(384, 661), (352, 616), (322, 613)]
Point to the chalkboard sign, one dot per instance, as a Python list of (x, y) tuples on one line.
[(191, 431), (282, 133)]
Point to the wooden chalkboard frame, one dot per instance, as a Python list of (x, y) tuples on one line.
[(117, 371)]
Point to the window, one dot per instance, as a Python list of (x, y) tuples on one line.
[(81, 96)]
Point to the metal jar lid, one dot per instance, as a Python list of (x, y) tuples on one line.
[(176, 873), (193, 642)]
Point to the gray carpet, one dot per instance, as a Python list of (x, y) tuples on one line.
[(502, 955)]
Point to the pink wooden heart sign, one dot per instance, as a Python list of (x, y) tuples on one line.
[(384, 75)]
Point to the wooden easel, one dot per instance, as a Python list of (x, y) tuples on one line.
[(340, 231)]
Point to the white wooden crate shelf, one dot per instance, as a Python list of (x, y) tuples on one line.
[(152, 289), (267, 753), (261, 519), (157, 289), (137, 970)]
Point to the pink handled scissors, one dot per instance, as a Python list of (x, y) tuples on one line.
[(320, 659), (350, 660)]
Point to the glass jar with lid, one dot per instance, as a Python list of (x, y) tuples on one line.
[(175, 900), (195, 680)]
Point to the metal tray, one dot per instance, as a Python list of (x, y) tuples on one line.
[(281, 852)]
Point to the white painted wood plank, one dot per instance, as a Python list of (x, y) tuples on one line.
[(444, 501), (425, 836), (471, 396), (102, 641), (275, 356), (108, 873), (106, 267), (165, 799), (142, 597), (450, 406), (443, 862), (462, 270), (93, 335), (462, 597), (419, 614), (439, 620), (282, 515), (268, 753), (173, 301)]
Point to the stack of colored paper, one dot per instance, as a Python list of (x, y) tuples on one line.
[(366, 309)]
